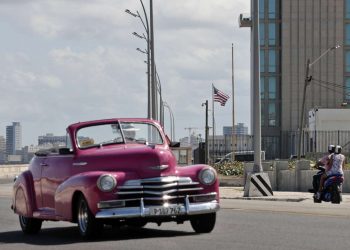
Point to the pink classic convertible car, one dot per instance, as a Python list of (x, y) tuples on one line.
[(117, 172)]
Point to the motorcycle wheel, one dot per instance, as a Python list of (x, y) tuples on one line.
[(336, 195)]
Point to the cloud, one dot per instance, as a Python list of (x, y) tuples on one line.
[(78, 61)]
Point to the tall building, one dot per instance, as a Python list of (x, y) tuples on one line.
[(2, 149), (291, 32), (13, 138), (239, 129)]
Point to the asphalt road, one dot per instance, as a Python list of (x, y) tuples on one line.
[(240, 225)]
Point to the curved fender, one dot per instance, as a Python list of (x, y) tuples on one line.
[(85, 183), (193, 172), (23, 200)]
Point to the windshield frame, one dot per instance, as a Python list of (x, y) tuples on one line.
[(123, 141)]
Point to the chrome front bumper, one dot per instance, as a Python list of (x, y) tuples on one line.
[(141, 212)]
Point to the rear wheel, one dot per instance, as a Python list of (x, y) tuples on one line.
[(30, 225), (87, 224), (336, 195), (203, 223)]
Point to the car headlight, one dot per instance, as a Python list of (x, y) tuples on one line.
[(207, 176), (106, 182)]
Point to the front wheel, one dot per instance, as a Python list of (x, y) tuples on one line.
[(87, 223), (30, 225), (203, 223)]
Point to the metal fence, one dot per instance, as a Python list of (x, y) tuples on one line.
[(286, 145), (313, 142)]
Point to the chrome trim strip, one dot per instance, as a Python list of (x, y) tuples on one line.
[(160, 186), (160, 192), (166, 179), (79, 163)]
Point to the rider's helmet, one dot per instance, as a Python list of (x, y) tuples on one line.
[(331, 148), (337, 149)]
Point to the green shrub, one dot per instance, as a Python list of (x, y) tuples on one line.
[(230, 168)]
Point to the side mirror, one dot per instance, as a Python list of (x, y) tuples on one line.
[(174, 144), (64, 151)]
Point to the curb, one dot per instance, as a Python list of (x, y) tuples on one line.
[(265, 199)]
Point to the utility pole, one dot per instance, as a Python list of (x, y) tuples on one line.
[(206, 132), (233, 111), (257, 183), (153, 68)]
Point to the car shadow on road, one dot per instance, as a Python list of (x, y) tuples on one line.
[(70, 235)]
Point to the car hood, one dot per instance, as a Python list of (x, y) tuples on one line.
[(143, 160)]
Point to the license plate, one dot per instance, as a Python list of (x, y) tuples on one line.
[(159, 211)]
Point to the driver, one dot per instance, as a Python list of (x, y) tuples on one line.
[(336, 161), (129, 132)]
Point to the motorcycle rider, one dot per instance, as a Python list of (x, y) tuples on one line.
[(337, 160), (324, 161)]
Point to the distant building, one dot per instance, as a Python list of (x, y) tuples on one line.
[(239, 129), (2, 149), (328, 126), (51, 139), (13, 138), (222, 144)]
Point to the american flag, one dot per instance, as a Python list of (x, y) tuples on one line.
[(220, 96)]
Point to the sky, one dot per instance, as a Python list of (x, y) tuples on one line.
[(64, 61)]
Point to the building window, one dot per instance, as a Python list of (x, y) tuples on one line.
[(261, 9), (272, 9), (262, 88), (272, 87), (262, 114), (272, 114), (347, 89), (272, 61), (347, 9), (262, 60), (347, 61), (272, 34), (262, 33), (347, 34)]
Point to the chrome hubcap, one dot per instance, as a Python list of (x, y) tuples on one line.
[(83, 218), (24, 220)]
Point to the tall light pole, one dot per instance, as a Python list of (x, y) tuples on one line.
[(206, 132), (152, 111), (306, 83), (172, 121), (233, 111), (146, 27), (153, 68)]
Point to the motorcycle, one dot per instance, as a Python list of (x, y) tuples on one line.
[(332, 187)]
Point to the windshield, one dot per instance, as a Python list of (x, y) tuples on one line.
[(118, 133)]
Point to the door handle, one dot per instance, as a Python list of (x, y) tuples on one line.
[(44, 164)]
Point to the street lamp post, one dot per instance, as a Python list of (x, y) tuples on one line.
[(151, 76), (307, 81), (172, 121), (206, 132)]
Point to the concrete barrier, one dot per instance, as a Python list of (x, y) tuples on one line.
[(299, 179), (10, 171)]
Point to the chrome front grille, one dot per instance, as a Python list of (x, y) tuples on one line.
[(157, 191)]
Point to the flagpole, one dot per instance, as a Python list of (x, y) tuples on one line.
[(233, 110), (212, 97)]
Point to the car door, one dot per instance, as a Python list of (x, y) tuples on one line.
[(55, 170), (36, 167)]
